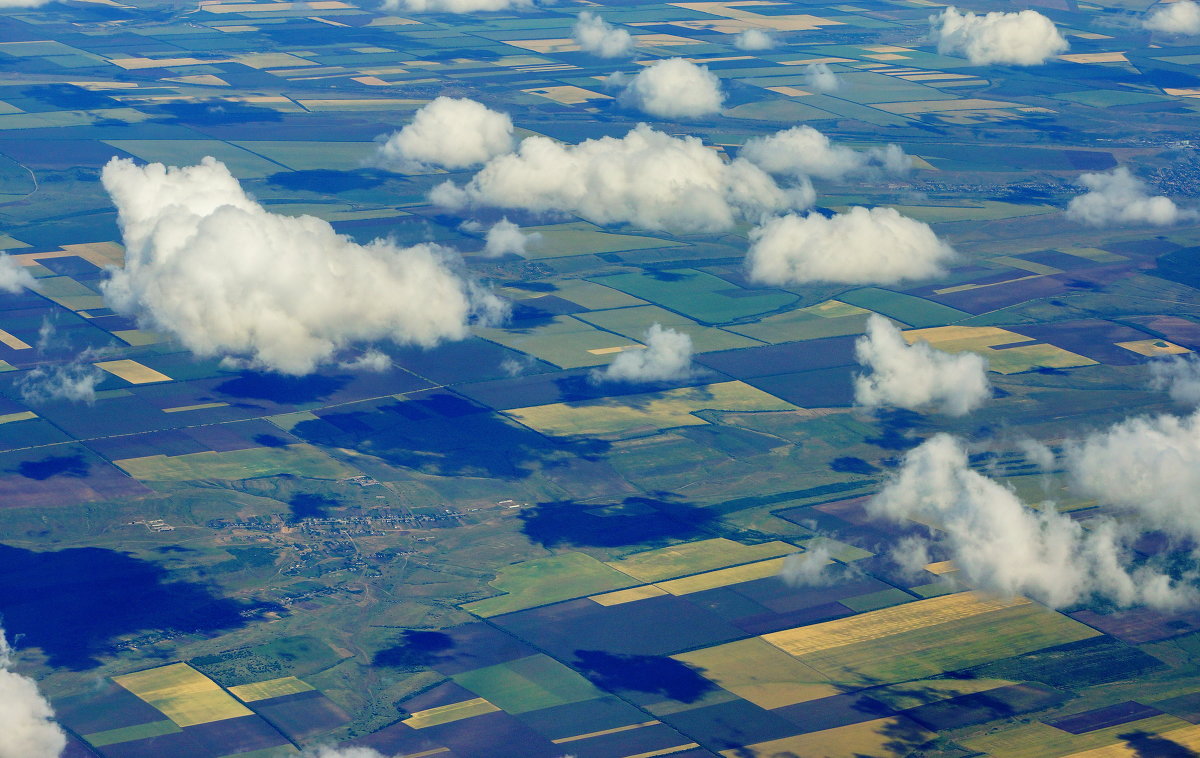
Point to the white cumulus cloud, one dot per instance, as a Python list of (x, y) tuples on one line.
[(24, 3), (671, 88), (667, 356), (819, 78), (329, 751), (861, 246), (804, 151), (1146, 465), (14, 276), (1179, 376), (1118, 197), (505, 237), (916, 376), (1182, 17), (448, 133), (753, 39), (210, 266), (600, 38), (646, 178), (1002, 546), (1022, 38), (27, 726), (455, 6), (75, 381)]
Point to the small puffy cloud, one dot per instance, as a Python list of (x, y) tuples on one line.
[(804, 151), (24, 4), (1179, 376), (1146, 465), (455, 6), (448, 133), (861, 246), (647, 178), (1182, 17), (1118, 197), (329, 751), (14, 276), (371, 360), (753, 39), (815, 567), (1023, 38), (27, 726), (667, 356), (75, 382), (1038, 453), (505, 237), (671, 88), (213, 268), (600, 38), (1003, 546), (916, 376), (819, 78)]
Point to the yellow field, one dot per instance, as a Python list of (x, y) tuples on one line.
[(288, 685), (132, 371), (1187, 738), (694, 557), (954, 339), (1037, 740), (760, 673), (881, 737), (197, 407), (1152, 348), (300, 459), (982, 340), (657, 410), (568, 94), (18, 416), (886, 622), (448, 713), (628, 596), (183, 694), (723, 577)]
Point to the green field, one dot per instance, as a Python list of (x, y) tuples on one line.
[(549, 580)]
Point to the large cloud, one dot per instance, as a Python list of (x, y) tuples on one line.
[(598, 37), (861, 246), (1003, 546), (804, 151), (1182, 17), (1179, 376), (27, 727), (667, 356), (1024, 38), (330, 751), (1118, 197), (671, 88), (916, 376), (24, 3), (646, 178), (210, 266), (1147, 465), (454, 6), (448, 133), (14, 276)]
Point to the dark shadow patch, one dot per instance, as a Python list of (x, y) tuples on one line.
[(75, 603), (895, 429), (270, 440), (444, 434), (651, 674), (633, 521), (848, 464), (1146, 745), (54, 465), (325, 181), (281, 389), (416, 649), (307, 505)]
